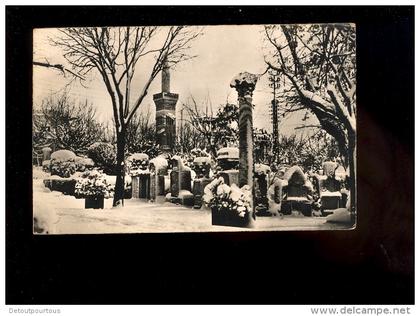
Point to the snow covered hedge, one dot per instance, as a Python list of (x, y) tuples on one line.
[(229, 199)]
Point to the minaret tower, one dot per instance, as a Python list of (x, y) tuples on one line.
[(165, 112)]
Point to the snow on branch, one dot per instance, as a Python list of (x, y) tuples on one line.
[(59, 67)]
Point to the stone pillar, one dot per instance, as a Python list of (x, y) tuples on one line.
[(244, 84), (166, 77)]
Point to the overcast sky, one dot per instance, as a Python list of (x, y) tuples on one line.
[(223, 52)]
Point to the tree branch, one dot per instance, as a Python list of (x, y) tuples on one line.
[(59, 67)]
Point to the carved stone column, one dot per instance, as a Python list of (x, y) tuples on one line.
[(244, 84)]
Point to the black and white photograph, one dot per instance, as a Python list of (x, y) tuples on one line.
[(214, 154), (194, 128)]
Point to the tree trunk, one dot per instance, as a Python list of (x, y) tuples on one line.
[(213, 150), (120, 172), (352, 166)]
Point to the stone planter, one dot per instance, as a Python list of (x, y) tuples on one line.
[(96, 202), (229, 218)]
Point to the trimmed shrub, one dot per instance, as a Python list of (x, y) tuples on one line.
[(63, 155), (104, 156), (62, 163), (62, 169), (83, 164)]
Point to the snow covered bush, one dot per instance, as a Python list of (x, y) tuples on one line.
[(137, 164), (160, 165), (103, 155), (62, 163), (63, 155), (83, 163), (192, 155), (230, 199), (63, 169), (197, 152), (93, 184)]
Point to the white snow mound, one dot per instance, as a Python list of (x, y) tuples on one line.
[(228, 152), (340, 215), (159, 162), (63, 155), (45, 218), (138, 156)]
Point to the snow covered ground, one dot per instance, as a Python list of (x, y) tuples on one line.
[(66, 215)]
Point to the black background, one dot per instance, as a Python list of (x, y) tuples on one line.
[(372, 264)]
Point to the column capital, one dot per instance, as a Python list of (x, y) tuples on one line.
[(244, 83)]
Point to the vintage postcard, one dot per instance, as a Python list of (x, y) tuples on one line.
[(194, 128)]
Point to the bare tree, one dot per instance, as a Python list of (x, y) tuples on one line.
[(318, 63), (189, 139), (308, 151), (203, 122), (71, 126), (219, 129), (114, 52), (141, 135)]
